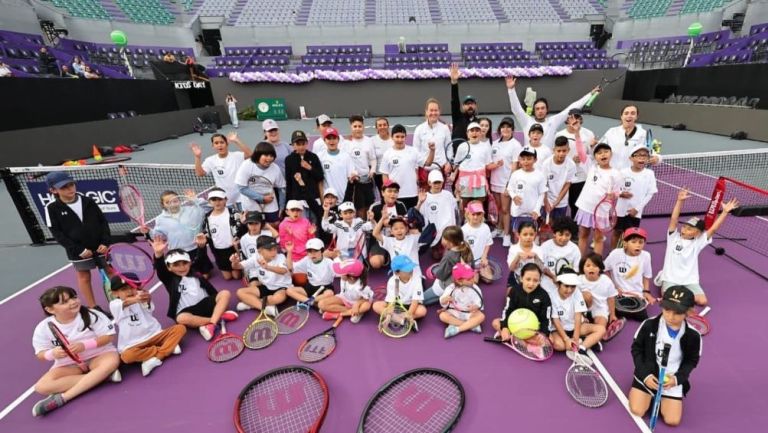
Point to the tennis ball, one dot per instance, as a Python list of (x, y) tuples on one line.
[(695, 29), (119, 38), (667, 378), (522, 323)]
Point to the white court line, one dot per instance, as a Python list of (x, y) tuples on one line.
[(20, 399), (618, 392), (35, 283)]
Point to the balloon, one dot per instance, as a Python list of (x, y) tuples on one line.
[(694, 29), (119, 38)]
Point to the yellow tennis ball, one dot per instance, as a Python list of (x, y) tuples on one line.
[(523, 323), (667, 378)]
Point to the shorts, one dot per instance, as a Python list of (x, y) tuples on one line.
[(695, 288), (461, 315), (201, 263), (557, 213), (516, 221), (221, 257), (360, 194), (599, 312), (347, 302), (675, 393), (585, 219), (271, 217), (409, 202), (203, 308), (639, 316), (313, 290), (625, 222), (88, 264)]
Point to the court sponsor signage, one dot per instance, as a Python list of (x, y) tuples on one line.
[(102, 191)]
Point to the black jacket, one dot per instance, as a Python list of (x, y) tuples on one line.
[(537, 301), (72, 233), (311, 178), (460, 119), (644, 352), (171, 283)]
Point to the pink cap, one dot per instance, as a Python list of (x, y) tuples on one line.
[(462, 271), (348, 267), (475, 207), (330, 131), (635, 231)]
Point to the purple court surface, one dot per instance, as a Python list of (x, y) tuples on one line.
[(504, 392)]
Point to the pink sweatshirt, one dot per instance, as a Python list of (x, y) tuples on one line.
[(297, 232)]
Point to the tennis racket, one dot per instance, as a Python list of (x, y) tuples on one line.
[(226, 346), (545, 232), (614, 328), (630, 303), (493, 208), (604, 82), (262, 186), (584, 384), (452, 150), (562, 263), (465, 295), (106, 284), (429, 273), (699, 323), (132, 203), (488, 273), (134, 265), (394, 321), (61, 341), (605, 214), (420, 400), (292, 319), (660, 389), (262, 331), (528, 349), (319, 347), (286, 399)]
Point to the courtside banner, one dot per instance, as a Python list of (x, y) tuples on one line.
[(102, 191)]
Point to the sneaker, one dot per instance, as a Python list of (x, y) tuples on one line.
[(415, 326), (451, 331), (330, 316), (149, 365), (507, 241), (355, 318), (477, 329), (102, 311), (229, 316), (270, 311), (177, 350), (242, 306), (48, 404), (116, 377), (207, 331), (496, 335), (497, 233), (597, 348)]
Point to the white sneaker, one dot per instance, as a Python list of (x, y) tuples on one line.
[(497, 233), (177, 350), (507, 241), (355, 318), (116, 377), (271, 311), (242, 306), (149, 365), (477, 329)]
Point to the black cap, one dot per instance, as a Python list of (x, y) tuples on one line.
[(117, 282), (298, 136), (398, 129), (601, 146), (267, 242), (576, 112), (536, 127), (254, 217), (527, 150), (679, 299), (507, 121), (469, 98)]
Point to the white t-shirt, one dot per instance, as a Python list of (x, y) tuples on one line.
[(337, 169), (506, 151), (586, 138), (400, 165), (601, 290), (531, 187), (221, 232), (224, 171), (550, 123), (248, 170), (439, 209), (362, 153), (42, 339), (477, 238), (514, 249), (557, 175), (318, 146), (380, 147), (566, 309), (408, 246), (135, 322), (438, 134), (599, 182), (681, 258), (618, 263), (409, 292), (346, 235), (191, 293), (318, 274), (77, 206), (621, 145), (463, 298), (479, 155), (353, 292), (542, 154), (641, 184), (552, 254), (271, 280), (248, 243)]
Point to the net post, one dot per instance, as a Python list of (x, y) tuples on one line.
[(23, 207)]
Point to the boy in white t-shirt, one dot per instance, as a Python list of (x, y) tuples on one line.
[(360, 149), (269, 268), (399, 165), (681, 259), (439, 207), (140, 337), (630, 269), (408, 285), (559, 171), (637, 188), (559, 252), (527, 187), (254, 224), (535, 135)]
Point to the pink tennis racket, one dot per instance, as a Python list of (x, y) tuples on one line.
[(132, 203)]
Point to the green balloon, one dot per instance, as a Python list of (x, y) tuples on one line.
[(119, 38), (694, 29)]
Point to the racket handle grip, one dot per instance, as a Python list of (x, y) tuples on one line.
[(591, 99)]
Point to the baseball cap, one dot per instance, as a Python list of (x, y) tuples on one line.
[(679, 299), (508, 121), (298, 136), (569, 279), (391, 184), (254, 217), (536, 127), (528, 151), (398, 129), (462, 271), (575, 112), (348, 267), (695, 223), (315, 244), (57, 179), (469, 98), (600, 146), (435, 176), (267, 242), (331, 191), (294, 204), (637, 149), (475, 207), (269, 125), (177, 256), (634, 231), (347, 205), (473, 125), (330, 131), (402, 263), (217, 193), (117, 282), (322, 119)]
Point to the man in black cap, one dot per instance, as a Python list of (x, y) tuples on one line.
[(304, 174), (461, 114)]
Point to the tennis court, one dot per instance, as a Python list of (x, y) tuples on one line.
[(503, 390)]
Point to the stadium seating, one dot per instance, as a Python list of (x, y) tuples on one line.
[(336, 12), (525, 11), (400, 11), (465, 11), (701, 6), (91, 9), (146, 11), (267, 12)]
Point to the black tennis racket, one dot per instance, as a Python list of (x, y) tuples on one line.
[(604, 83), (319, 347)]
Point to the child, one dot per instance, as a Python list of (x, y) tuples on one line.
[(438, 207), (637, 188), (347, 230), (223, 165), (193, 301), (400, 242), (522, 253), (305, 182), (90, 334), (401, 162), (295, 229), (331, 200), (671, 328), (462, 302), (360, 149), (319, 273), (479, 238), (79, 226), (268, 280), (602, 180), (558, 252), (681, 259), (355, 296), (528, 294), (475, 157), (261, 163), (254, 222), (407, 284), (527, 187), (558, 170), (169, 227), (568, 308), (456, 251), (630, 269), (535, 135), (598, 290), (338, 166), (220, 226), (504, 153), (141, 338)]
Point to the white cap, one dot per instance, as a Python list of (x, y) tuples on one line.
[(177, 256), (331, 191), (569, 279), (473, 125), (323, 118), (639, 147), (217, 194), (347, 205), (269, 125), (435, 176), (294, 204), (315, 244)]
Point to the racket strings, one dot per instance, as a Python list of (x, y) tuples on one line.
[(291, 320), (424, 402), (130, 259), (287, 402), (317, 348), (629, 304), (226, 349), (586, 386), (260, 334), (531, 350), (698, 323), (132, 204)]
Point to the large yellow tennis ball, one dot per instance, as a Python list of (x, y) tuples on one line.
[(523, 323)]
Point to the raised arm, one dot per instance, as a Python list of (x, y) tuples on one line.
[(514, 102), (727, 208), (198, 153), (560, 117)]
